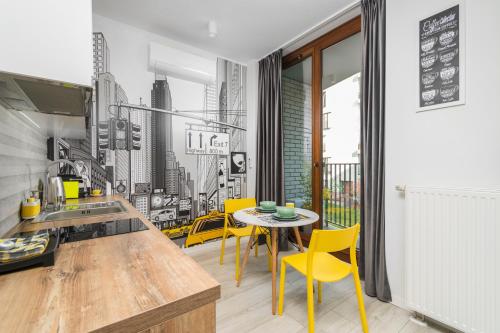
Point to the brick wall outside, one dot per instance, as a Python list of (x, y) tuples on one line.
[(297, 136)]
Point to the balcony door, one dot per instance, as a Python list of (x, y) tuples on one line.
[(340, 84), (321, 126), (297, 133)]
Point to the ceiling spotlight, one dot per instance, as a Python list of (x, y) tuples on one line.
[(212, 29)]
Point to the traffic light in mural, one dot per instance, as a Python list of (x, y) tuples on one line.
[(103, 133), (120, 131), (134, 137), (119, 134)]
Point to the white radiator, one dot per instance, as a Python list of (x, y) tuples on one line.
[(452, 257)]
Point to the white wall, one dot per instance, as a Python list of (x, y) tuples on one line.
[(452, 147), (49, 39)]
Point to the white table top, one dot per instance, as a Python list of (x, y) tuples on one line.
[(250, 216)]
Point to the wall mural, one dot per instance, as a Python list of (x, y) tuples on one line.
[(179, 182)]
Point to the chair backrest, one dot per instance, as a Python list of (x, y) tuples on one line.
[(233, 205), (334, 241)]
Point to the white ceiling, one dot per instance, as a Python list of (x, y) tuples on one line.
[(247, 30)]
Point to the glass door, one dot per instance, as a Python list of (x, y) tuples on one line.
[(297, 132), (321, 122), (340, 84)]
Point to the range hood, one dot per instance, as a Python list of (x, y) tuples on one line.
[(26, 93)]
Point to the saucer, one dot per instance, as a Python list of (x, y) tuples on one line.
[(279, 218), (262, 210)]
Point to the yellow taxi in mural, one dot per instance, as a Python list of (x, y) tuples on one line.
[(206, 228), (179, 232)]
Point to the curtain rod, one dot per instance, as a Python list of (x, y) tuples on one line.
[(323, 23)]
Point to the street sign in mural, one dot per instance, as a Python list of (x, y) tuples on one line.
[(202, 202), (161, 200), (230, 188), (237, 188), (185, 206), (142, 188), (206, 143), (222, 183), (212, 201), (170, 200)]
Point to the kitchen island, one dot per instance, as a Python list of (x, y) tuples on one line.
[(134, 282)]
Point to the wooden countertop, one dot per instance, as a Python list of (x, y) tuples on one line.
[(121, 283)]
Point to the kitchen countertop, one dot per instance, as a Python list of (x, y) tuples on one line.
[(124, 283)]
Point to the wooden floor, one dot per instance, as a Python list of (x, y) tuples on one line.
[(248, 308)]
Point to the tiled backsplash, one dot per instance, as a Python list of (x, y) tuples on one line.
[(23, 160)]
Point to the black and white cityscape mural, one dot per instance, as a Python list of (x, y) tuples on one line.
[(172, 179)]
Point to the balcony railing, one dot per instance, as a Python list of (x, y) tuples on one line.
[(341, 194)]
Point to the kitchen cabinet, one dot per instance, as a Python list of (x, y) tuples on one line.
[(49, 39)]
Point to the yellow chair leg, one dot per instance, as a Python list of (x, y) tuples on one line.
[(310, 304), (269, 255), (222, 248), (320, 292), (361, 303), (256, 245), (282, 288), (237, 257)]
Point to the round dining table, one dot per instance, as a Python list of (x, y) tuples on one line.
[(251, 216)]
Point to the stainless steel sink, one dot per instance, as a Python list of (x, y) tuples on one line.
[(77, 211)]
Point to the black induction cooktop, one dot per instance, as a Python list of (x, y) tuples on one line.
[(101, 229)]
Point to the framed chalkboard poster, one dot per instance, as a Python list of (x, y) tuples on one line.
[(441, 60)]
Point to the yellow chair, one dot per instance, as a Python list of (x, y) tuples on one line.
[(318, 264), (231, 206)]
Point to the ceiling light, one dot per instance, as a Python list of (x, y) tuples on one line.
[(212, 29)]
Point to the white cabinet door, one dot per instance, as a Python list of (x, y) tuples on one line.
[(50, 39)]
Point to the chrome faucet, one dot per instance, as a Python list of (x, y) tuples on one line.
[(57, 195)]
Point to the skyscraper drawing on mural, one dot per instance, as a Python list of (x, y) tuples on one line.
[(161, 133), (131, 152)]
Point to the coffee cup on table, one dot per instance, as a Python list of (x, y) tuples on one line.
[(268, 205), (285, 212)]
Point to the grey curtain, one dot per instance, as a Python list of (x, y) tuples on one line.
[(270, 180), (373, 262)]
